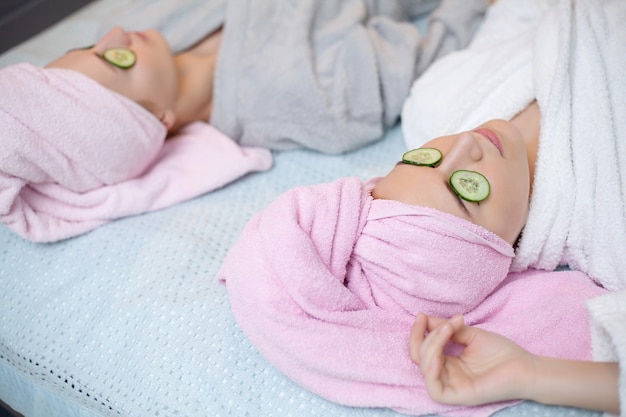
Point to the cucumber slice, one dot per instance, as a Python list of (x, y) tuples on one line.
[(470, 185), (120, 57), (428, 157)]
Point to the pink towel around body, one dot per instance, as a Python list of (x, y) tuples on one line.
[(77, 155), (326, 283)]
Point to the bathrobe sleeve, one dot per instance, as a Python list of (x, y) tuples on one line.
[(325, 75)]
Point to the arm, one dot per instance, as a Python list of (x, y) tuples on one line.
[(493, 368)]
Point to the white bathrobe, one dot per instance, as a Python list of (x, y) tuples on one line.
[(569, 55)]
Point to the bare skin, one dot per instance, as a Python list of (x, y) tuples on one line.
[(196, 71), (177, 89), (528, 122), (492, 368), (509, 167)]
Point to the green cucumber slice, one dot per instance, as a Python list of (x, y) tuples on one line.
[(120, 57), (470, 185), (428, 157)]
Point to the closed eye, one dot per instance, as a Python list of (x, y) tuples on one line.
[(460, 202), (82, 48), (114, 68)]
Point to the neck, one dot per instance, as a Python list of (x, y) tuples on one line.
[(196, 71), (528, 121)]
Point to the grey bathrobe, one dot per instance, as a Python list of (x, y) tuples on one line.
[(329, 75)]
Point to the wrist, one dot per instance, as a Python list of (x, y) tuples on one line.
[(541, 380), (583, 384), (531, 378)]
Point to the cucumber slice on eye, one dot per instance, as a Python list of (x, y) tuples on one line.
[(470, 185), (120, 57), (428, 157)]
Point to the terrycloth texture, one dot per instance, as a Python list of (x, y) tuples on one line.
[(340, 70), (490, 79), (608, 316), (572, 61), (579, 194), (76, 155), (129, 319), (326, 283)]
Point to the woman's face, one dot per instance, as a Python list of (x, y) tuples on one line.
[(496, 149), (151, 82)]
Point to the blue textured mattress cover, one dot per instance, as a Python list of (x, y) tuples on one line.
[(129, 320)]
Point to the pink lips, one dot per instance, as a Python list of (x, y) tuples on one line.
[(491, 137)]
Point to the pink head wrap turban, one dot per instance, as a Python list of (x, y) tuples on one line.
[(326, 283), (421, 259), (60, 126), (334, 246)]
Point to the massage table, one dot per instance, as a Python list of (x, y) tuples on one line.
[(129, 320)]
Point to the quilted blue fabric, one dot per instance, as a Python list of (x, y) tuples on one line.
[(129, 319)]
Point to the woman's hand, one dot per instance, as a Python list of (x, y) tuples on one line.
[(493, 368), (490, 368)]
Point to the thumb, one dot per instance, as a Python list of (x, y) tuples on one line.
[(462, 334)]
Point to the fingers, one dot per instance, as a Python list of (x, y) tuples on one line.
[(432, 357), (427, 350), (431, 349), (417, 336), (463, 335), (450, 379), (423, 324)]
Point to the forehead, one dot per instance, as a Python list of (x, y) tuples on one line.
[(88, 63), (83, 60)]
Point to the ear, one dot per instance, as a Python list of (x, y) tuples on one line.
[(168, 119)]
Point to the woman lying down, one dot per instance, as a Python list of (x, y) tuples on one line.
[(327, 280), (84, 142)]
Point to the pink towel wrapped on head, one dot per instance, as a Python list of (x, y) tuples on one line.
[(326, 283), (410, 256), (61, 126), (76, 155)]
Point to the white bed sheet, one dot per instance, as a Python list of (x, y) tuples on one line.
[(129, 321)]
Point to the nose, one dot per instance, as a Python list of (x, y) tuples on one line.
[(115, 38), (464, 151)]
